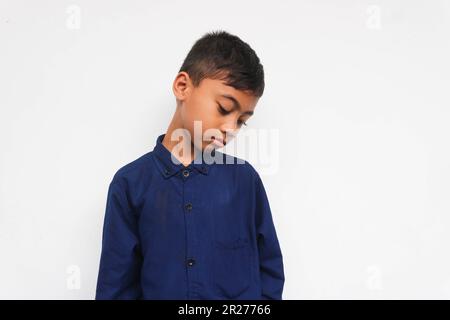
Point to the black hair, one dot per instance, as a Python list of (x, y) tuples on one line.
[(223, 56)]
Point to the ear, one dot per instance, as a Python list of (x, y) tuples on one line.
[(182, 86)]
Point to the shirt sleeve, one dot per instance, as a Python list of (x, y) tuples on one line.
[(120, 260), (270, 256)]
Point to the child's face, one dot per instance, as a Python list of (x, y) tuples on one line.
[(222, 110)]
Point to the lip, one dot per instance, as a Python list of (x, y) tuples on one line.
[(218, 142)]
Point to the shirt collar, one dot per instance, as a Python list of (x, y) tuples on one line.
[(169, 168)]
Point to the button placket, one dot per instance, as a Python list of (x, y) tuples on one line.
[(191, 247)]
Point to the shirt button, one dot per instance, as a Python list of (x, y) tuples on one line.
[(186, 173), (166, 171), (190, 262), (188, 206)]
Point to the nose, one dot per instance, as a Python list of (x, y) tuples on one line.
[(229, 129), (229, 133)]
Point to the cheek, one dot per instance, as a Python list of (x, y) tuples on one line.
[(195, 108), (200, 109)]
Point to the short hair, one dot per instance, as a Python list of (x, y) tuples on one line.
[(223, 56)]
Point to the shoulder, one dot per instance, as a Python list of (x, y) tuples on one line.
[(136, 169)]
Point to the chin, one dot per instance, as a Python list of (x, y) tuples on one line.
[(210, 147)]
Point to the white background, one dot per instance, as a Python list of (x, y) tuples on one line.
[(358, 92)]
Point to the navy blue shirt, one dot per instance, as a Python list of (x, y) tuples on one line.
[(204, 231)]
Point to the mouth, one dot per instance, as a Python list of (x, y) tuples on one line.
[(218, 141)]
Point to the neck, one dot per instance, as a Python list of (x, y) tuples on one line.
[(184, 157)]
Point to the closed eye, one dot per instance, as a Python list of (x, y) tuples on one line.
[(240, 122), (222, 110)]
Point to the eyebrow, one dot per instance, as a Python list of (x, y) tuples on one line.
[(236, 103)]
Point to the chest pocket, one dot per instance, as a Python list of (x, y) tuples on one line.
[(232, 267)]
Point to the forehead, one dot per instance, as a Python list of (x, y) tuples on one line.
[(219, 90)]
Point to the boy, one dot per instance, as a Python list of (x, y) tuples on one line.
[(185, 221)]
